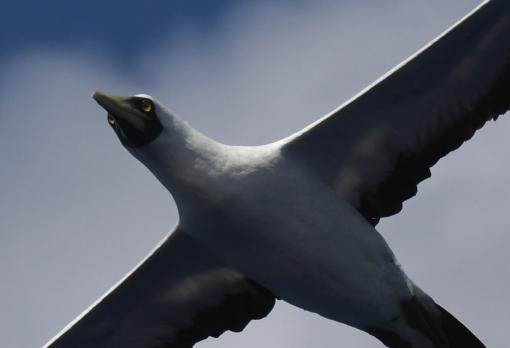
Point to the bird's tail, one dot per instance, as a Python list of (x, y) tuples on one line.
[(426, 324)]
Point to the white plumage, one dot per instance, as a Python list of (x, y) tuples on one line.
[(295, 219)]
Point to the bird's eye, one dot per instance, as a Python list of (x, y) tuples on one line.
[(111, 120), (146, 105)]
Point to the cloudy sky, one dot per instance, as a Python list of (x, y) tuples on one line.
[(78, 212)]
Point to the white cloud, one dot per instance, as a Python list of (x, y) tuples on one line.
[(80, 211)]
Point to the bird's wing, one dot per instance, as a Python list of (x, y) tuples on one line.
[(179, 295), (377, 147)]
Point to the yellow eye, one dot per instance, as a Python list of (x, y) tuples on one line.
[(111, 120), (146, 105)]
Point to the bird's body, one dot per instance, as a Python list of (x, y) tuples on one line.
[(295, 220), (311, 248), (306, 225), (221, 200)]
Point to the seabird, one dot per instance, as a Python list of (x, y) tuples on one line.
[(295, 220)]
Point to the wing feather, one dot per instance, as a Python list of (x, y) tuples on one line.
[(179, 295), (376, 148)]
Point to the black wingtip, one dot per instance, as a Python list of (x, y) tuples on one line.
[(458, 335)]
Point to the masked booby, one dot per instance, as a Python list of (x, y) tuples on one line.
[(295, 220)]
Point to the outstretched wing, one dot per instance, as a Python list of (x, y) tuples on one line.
[(179, 295), (377, 147)]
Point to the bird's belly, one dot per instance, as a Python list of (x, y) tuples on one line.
[(311, 250)]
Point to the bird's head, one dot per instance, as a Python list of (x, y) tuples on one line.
[(165, 144), (137, 120), (145, 127)]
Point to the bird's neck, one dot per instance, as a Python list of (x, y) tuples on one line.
[(184, 160)]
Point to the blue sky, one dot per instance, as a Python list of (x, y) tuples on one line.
[(77, 211), (124, 28)]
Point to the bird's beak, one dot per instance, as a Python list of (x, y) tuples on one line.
[(120, 109), (105, 100), (133, 127)]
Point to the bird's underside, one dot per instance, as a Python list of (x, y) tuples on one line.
[(295, 220)]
